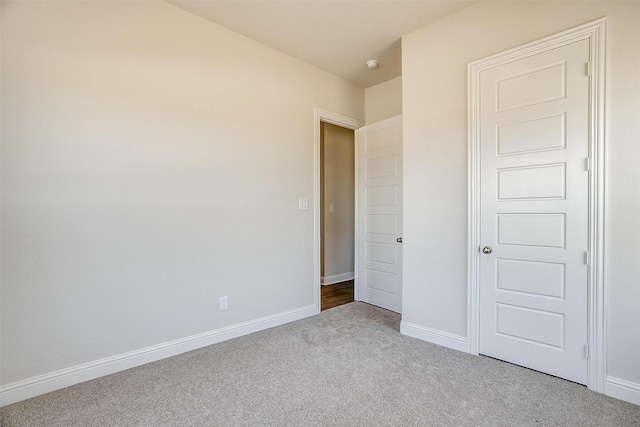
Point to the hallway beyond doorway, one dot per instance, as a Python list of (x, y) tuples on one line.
[(335, 295)]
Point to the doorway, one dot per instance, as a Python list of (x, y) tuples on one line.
[(322, 117), (337, 217), (377, 263)]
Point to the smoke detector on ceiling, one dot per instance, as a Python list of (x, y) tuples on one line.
[(373, 64)]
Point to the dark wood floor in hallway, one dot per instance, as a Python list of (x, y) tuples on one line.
[(335, 295)]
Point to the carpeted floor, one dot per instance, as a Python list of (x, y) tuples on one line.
[(348, 366)]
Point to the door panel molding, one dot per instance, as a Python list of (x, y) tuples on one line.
[(595, 33), (323, 116)]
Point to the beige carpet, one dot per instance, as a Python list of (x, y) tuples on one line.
[(348, 366)]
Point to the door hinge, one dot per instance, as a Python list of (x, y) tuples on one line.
[(585, 351), (587, 165), (587, 69), (587, 257)]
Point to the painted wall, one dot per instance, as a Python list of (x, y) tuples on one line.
[(149, 167), (383, 100), (338, 183), (435, 160)]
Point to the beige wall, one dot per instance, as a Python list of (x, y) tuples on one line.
[(383, 100), (151, 163), (338, 184), (435, 160)]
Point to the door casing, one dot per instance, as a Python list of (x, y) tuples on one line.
[(323, 116), (595, 32)]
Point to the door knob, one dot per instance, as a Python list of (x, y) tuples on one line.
[(399, 240), (486, 250)]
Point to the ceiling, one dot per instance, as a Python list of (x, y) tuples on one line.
[(336, 36)]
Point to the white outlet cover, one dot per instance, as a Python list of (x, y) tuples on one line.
[(224, 303), (303, 204)]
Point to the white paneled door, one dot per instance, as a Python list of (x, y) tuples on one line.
[(379, 210), (534, 139)]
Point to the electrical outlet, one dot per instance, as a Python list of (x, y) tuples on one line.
[(224, 303)]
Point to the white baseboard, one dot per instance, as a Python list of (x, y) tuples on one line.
[(35, 386), (622, 389), (434, 336), (336, 278), (614, 387)]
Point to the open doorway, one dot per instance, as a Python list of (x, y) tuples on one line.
[(337, 215)]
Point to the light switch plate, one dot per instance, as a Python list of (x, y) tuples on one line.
[(303, 204)]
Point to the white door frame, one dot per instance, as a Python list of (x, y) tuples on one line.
[(323, 116), (595, 32)]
